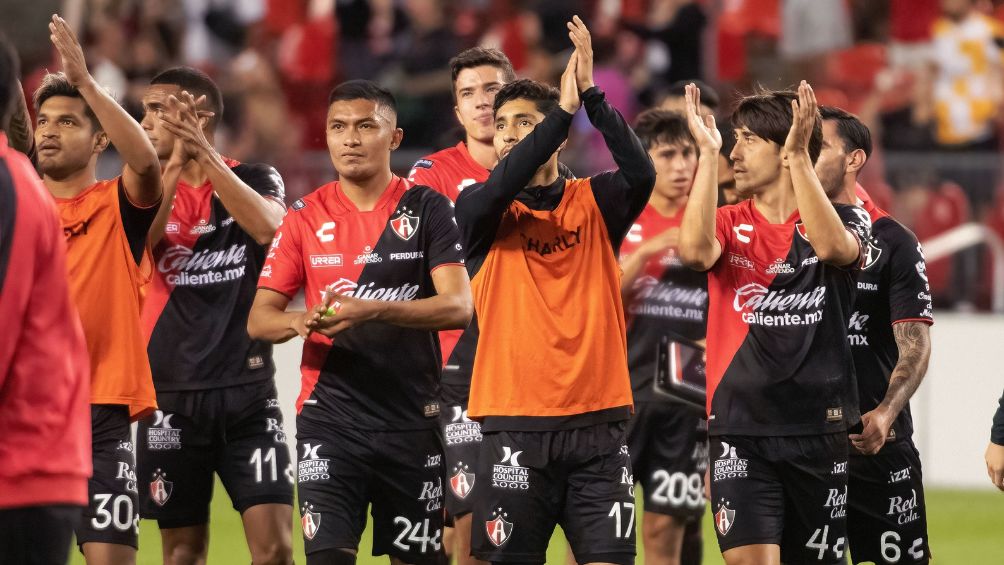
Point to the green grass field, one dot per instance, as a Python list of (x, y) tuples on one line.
[(966, 528)]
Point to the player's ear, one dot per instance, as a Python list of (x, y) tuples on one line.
[(456, 111), (395, 141), (100, 141), (856, 160)]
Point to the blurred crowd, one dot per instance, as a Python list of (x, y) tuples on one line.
[(925, 75)]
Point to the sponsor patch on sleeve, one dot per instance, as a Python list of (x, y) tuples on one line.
[(422, 164), (299, 204)]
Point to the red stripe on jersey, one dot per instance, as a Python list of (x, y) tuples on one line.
[(751, 245), (927, 321)]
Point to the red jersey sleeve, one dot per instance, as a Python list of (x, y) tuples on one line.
[(283, 271), (723, 224)]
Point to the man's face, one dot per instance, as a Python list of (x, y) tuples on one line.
[(832, 163), (475, 90), (65, 138), (514, 120), (154, 106), (361, 134), (727, 180), (757, 162), (675, 165)]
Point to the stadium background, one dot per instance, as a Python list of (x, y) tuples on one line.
[(277, 59)]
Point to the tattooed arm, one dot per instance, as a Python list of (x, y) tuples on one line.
[(913, 339)]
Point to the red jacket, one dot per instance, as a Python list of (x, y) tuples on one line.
[(45, 422)]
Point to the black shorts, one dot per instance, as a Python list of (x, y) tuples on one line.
[(341, 472), (461, 444), (112, 513), (235, 432), (886, 515), (786, 491), (579, 478), (37, 535), (668, 442)]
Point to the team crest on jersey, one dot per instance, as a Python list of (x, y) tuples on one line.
[(724, 518), (404, 224), (310, 521), (462, 481), (160, 488), (872, 254), (800, 227), (498, 528)]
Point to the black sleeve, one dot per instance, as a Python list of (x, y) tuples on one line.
[(263, 179), (442, 247), (857, 221), (997, 431), (136, 221), (480, 207), (621, 194), (909, 292)]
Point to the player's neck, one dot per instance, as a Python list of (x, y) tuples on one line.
[(365, 193), (848, 192), (482, 153), (193, 174), (545, 175), (667, 206), (72, 184), (777, 202)]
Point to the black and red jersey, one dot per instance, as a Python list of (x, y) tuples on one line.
[(892, 287), (778, 359), (204, 276), (375, 375), (665, 300), (449, 172)]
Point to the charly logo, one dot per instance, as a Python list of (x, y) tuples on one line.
[(741, 230), (160, 488), (498, 528), (161, 435), (508, 473)]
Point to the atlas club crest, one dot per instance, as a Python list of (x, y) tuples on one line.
[(724, 518), (310, 521), (462, 482), (404, 224), (498, 528), (160, 488)]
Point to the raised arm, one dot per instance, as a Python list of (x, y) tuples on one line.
[(257, 215), (141, 173), (699, 248), (831, 241), (480, 207)]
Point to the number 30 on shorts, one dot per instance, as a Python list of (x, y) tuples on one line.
[(115, 511)]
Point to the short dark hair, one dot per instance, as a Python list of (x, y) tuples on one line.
[(544, 96), (728, 140), (56, 84), (9, 72), (767, 114), (362, 90), (657, 126), (851, 130), (197, 83), (479, 57), (709, 96)]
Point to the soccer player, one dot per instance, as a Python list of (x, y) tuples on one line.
[(781, 391), (218, 407), (478, 74), (889, 335), (667, 440), (382, 268), (550, 381), (44, 408), (105, 224)]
